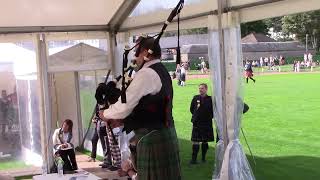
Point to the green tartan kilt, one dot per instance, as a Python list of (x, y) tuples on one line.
[(158, 155)]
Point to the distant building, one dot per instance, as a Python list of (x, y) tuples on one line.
[(254, 46)]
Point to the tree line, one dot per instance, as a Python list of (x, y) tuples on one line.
[(293, 27)]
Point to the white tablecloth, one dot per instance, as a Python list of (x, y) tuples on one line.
[(77, 176)]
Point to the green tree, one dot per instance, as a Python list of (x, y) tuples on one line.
[(203, 30), (275, 23), (254, 27), (302, 24)]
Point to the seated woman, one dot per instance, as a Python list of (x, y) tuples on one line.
[(63, 147)]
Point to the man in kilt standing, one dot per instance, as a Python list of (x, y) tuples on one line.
[(148, 112), (202, 130)]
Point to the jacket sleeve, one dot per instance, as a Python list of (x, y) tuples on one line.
[(193, 105), (70, 144), (56, 141)]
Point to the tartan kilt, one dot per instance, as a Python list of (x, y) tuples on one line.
[(158, 155), (114, 149), (202, 134), (248, 74)]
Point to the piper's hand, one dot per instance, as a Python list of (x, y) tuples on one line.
[(64, 146), (94, 120), (101, 116), (115, 122)]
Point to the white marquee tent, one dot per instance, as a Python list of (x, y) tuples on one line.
[(45, 21)]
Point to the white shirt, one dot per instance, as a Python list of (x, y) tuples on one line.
[(65, 137), (183, 71), (146, 81)]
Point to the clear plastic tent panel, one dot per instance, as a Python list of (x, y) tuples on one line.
[(88, 81), (57, 46), (231, 163), (20, 141), (147, 6), (78, 55)]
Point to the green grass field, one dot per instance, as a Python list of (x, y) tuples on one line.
[(12, 164), (282, 127)]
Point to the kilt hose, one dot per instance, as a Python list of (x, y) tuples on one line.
[(158, 155), (114, 150)]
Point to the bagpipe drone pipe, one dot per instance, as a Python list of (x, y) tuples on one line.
[(175, 12), (107, 94)]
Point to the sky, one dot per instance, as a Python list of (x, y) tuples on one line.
[(146, 6)]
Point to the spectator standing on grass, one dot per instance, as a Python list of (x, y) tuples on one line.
[(183, 75), (178, 74), (203, 67), (298, 66), (266, 61), (202, 129)]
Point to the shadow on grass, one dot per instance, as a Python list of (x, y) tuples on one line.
[(290, 167), (275, 168), (200, 171)]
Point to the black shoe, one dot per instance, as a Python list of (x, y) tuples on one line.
[(113, 168), (195, 150), (106, 166)]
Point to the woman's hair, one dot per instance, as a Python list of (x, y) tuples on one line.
[(69, 123)]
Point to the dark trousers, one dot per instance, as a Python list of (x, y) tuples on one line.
[(69, 159), (96, 136)]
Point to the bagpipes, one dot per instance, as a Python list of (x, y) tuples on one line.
[(108, 93), (175, 12)]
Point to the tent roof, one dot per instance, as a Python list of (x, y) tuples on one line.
[(80, 57), (57, 13), (81, 15)]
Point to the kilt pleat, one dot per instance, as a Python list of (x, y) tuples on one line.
[(202, 134), (158, 156)]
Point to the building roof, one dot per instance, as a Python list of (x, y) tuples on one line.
[(194, 49), (248, 47), (272, 46), (256, 38)]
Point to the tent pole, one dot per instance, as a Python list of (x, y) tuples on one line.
[(112, 43), (77, 87), (45, 106), (223, 72)]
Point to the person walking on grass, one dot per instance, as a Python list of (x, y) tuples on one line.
[(249, 72)]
